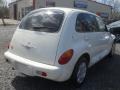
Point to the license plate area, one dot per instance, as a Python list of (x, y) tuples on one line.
[(23, 68)]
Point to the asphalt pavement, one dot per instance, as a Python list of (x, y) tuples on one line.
[(105, 75)]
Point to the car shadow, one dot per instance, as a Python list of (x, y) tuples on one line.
[(37, 83), (97, 76)]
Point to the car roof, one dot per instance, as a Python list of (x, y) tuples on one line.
[(66, 10)]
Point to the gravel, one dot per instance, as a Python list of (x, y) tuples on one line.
[(105, 75)]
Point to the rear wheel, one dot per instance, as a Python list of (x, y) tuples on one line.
[(80, 71)]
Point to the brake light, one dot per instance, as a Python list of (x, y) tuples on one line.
[(44, 74), (65, 57)]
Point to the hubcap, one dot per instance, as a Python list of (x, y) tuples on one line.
[(81, 72)]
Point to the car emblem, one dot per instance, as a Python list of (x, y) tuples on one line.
[(27, 45)]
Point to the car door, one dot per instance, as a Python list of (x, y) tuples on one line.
[(105, 37), (92, 36)]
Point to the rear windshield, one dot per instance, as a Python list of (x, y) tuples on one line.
[(43, 21)]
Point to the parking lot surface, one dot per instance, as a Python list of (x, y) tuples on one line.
[(105, 75)]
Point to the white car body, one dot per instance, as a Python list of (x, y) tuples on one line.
[(34, 53)]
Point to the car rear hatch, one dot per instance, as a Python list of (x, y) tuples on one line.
[(38, 36)]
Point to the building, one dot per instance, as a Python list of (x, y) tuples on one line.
[(100, 9), (19, 8)]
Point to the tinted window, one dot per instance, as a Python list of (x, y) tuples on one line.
[(86, 23), (101, 24), (43, 21)]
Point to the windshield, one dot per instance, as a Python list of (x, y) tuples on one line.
[(43, 21)]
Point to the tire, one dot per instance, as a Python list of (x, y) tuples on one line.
[(80, 70), (112, 52)]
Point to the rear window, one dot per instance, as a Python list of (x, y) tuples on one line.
[(43, 21)]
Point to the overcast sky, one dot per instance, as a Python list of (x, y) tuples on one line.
[(8, 1)]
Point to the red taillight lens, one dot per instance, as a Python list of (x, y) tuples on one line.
[(65, 57), (44, 74)]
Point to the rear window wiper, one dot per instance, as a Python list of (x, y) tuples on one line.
[(43, 27)]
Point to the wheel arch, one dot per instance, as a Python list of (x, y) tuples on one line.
[(86, 55)]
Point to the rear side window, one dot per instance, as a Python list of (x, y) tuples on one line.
[(86, 23), (43, 21)]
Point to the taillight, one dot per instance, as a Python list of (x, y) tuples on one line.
[(44, 74), (66, 57)]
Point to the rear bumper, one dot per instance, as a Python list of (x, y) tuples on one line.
[(32, 68)]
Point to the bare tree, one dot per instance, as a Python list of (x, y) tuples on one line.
[(115, 7), (2, 10)]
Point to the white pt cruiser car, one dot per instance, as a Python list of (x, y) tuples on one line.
[(59, 44)]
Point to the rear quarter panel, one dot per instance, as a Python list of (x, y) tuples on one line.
[(70, 39)]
